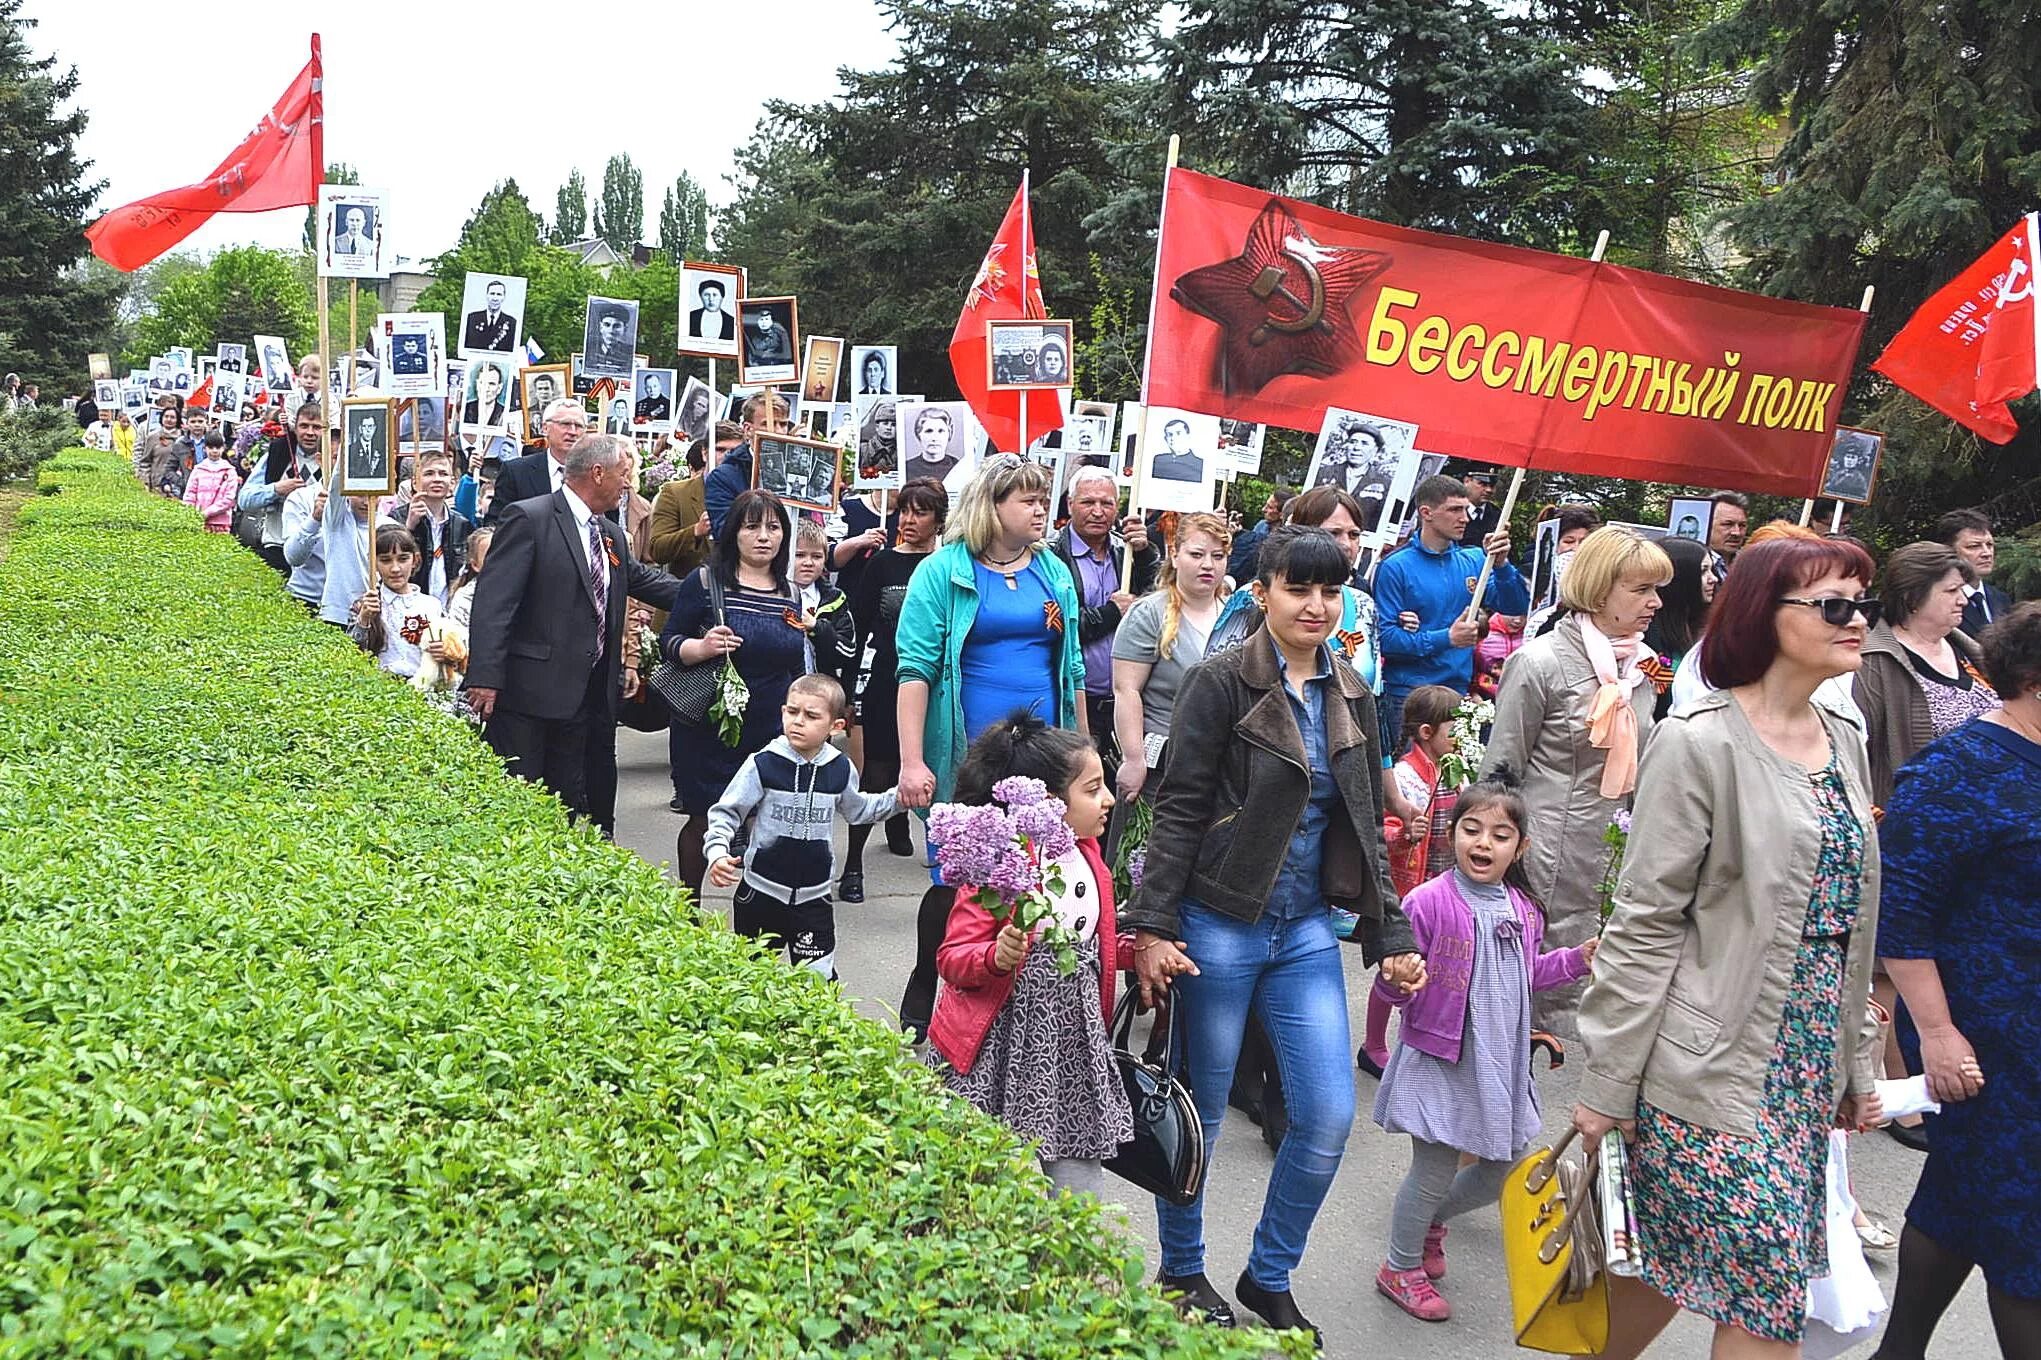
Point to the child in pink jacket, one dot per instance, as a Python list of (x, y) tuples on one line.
[(213, 485)]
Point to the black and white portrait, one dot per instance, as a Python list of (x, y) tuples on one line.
[(421, 425), (1852, 465), (486, 396), (367, 465), (874, 371), (492, 313), (352, 227), (1025, 354), (609, 338), (227, 394), (231, 359), (538, 388), (105, 395), (1183, 460), (801, 472), (769, 331), (1689, 517), (617, 417), (708, 309), (1241, 443), (276, 364), (652, 411), (697, 411), (940, 439), (1360, 454), (411, 352)]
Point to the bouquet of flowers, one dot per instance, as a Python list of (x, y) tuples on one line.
[(732, 695), (648, 648), (1130, 855), (1617, 837), (660, 469), (1008, 850), (1462, 765)]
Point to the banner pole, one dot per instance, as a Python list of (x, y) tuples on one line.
[(1807, 512), (1807, 505), (1516, 484), (326, 386), (1835, 521), (1138, 486), (353, 329)]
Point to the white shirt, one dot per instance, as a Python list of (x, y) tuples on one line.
[(557, 470), (1834, 694), (1077, 907), (598, 563), (1983, 601)]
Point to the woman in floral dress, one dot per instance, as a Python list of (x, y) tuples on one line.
[(1727, 1027)]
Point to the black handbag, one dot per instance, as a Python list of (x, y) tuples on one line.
[(689, 691), (1166, 1155)]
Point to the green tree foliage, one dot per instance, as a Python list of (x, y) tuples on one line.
[(620, 211), (684, 220), (876, 208), (1915, 142), (52, 312), (570, 210), (500, 237), (238, 293)]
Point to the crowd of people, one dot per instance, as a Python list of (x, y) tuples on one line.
[(1824, 799)]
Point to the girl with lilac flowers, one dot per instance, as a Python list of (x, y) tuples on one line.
[(1018, 1030)]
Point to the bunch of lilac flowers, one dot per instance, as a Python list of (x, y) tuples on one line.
[(1007, 850), (1617, 837)]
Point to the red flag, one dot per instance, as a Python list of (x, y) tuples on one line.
[(202, 395), (1972, 347), (280, 165), (1008, 288)]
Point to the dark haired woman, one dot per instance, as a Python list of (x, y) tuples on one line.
[(1728, 1025), (750, 564), (1682, 611), (1270, 808)]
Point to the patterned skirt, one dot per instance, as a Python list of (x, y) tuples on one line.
[(1046, 1069), (1733, 1226)]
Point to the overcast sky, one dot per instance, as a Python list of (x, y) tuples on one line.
[(435, 102)]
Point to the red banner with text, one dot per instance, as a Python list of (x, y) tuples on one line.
[(1272, 310)]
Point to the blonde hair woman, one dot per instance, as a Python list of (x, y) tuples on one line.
[(1571, 720), (1162, 636)]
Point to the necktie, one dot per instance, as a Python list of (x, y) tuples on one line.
[(598, 585)]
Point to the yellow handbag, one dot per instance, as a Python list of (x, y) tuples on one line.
[(1552, 1249)]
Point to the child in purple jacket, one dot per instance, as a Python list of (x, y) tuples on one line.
[(1460, 1079)]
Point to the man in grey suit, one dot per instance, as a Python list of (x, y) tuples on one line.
[(547, 658)]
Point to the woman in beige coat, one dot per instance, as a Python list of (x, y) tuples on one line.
[(1571, 720), (1727, 1026)]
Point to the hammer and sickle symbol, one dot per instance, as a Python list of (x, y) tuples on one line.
[(1270, 284)]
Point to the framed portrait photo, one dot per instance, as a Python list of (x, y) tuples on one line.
[(485, 393), (1852, 465), (101, 366), (537, 388), (709, 294), (941, 440), (877, 417), (609, 337), (1363, 456), (231, 359), (1026, 354), (1241, 441), (411, 350), (274, 357), (696, 414), (351, 232), (801, 472), (770, 340), (1689, 518), (368, 446), (821, 362), (105, 395), (227, 395), (183, 357), (874, 371), (492, 313), (652, 400), (1182, 460), (421, 425)]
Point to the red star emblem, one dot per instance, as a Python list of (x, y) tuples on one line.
[(1283, 303), (991, 277)]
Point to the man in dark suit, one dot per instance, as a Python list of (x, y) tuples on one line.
[(563, 422), (490, 328), (653, 403), (487, 406), (547, 656), (1969, 533), (709, 321)]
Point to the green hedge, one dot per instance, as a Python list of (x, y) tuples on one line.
[(319, 1036)]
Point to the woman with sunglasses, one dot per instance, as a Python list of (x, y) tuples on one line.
[(1728, 1026)]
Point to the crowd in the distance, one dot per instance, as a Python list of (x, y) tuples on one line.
[(1827, 773)]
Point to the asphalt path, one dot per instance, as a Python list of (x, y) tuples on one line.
[(1335, 1285)]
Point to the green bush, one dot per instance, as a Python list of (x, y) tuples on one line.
[(319, 1036), (32, 435)]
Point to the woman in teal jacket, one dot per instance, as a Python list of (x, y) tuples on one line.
[(989, 626)]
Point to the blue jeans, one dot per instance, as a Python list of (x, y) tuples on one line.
[(1289, 972)]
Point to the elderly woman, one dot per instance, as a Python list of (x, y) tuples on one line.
[(989, 625), (1571, 719), (1728, 1026), (1960, 932), (935, 450), (1270, 808)]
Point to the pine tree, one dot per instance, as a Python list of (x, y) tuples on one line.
[(684, 220), (570, 210), (52, 311), (620, 211)]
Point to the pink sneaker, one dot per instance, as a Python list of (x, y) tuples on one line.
[(1411, 1290), (1435, 1251)]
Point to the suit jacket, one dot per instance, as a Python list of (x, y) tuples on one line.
[(1999, 603), (726, 330), (476, 414), (480, 333), (533, 628), (520, 479)]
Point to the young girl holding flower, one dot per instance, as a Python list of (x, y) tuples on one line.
[(1013, 1033), (397, 622)]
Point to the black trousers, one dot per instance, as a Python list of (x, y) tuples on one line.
[(575, 757), (1098, 714), (806, 930)]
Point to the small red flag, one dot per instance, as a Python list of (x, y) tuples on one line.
[(1973, 346), (202, 395), (1008, 288), (280, 165)]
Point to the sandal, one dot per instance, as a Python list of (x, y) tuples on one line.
[(1876, 1236)]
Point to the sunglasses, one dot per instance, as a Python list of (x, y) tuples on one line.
[(1836, 610)]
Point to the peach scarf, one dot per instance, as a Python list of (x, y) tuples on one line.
[(1611, 721)]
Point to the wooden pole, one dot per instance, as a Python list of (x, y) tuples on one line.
[(1516, 484), (353, 329), (1807, 512), (326, 386), (1835, 521), (1807, 505), (1139, 485)]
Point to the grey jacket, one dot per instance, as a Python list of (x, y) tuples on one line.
[(791, 857), (1689, 988)]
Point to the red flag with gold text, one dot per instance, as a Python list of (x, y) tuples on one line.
[(279, 165), (1272, 310), (1008, 288)]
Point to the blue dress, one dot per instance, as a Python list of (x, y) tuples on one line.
[(1962, 848), (1011, 652)]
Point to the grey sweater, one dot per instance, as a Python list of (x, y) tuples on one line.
[(796, 800)]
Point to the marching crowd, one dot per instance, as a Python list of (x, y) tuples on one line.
[(1821, 777)]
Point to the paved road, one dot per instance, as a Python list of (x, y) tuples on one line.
[(1335, 1286)]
